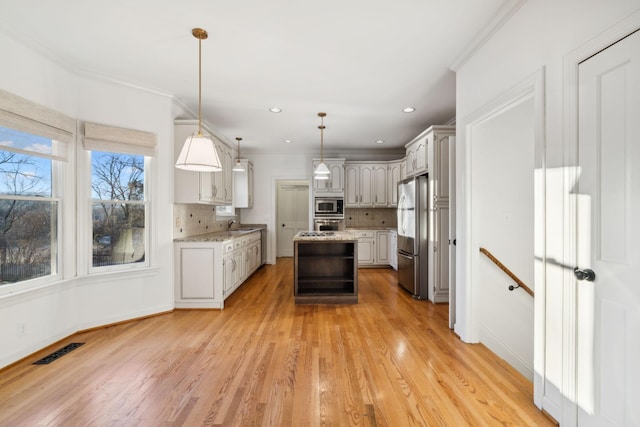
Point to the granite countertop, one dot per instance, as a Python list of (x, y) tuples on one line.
[(325, 236), (371, 228), (221, 236)]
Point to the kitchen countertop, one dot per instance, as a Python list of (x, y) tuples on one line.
[(336, 236), (221, 236), (371, 228)]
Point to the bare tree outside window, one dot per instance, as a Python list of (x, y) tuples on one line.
[(119, 208), (28, 216)]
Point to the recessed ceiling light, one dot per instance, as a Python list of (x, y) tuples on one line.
[(287, 141), (408, 110), (275, 110), (379, 141)]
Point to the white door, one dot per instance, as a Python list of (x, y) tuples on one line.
[(452, 231), (292, 215), (608, 236)]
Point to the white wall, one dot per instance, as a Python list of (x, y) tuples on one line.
[(57, 311), (540, 35)]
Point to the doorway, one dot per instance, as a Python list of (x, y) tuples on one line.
[(292, 213)]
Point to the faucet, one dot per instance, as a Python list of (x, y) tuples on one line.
[(230, 223)]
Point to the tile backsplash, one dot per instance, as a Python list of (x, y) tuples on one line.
[(193, 219), (371, 217)]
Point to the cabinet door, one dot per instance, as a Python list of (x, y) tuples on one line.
[(421, 156), (379, 184), (206, 187), (250, 184), (410, 160), (440, 167), (336, 179), (229, 275), (352, 186), (393, 250), (227, 164), (393, 176), (218, 177), (365, 251), (382, 247), (196, 273), (320, 185), (366, 186), (238, 274)]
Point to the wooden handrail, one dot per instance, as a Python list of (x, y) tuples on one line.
[(508, 272)]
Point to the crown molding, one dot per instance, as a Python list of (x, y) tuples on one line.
[(508, 9)]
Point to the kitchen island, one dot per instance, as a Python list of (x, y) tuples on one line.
[(325, 267)]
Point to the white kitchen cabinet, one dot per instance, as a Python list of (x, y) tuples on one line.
[(201, 187), (382, 248), (223, 180), (334, 186), (393, 177), (243, 186), (393, 249), (206, 273), (366, 247), (365, 184), (417, 156), (439, 172), (373, 247)]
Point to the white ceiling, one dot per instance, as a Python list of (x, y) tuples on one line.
[(359, 61)]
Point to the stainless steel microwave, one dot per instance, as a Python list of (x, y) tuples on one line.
[(328, 207)]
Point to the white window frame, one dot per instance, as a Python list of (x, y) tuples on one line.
[(26, 116), (113, 140)]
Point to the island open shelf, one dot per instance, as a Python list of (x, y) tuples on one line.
[(325, 271)]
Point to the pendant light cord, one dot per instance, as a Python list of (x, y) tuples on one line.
[(199, 86)]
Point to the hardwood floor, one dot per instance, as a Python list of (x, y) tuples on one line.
[(387, 361)]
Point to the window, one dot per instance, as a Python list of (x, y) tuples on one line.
[(120, 207), (34, 141), (28, 209)]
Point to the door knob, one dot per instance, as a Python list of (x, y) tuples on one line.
[(587, 274)]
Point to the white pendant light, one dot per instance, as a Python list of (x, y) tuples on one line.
[(322, 171), (238, 166), (199, 153)]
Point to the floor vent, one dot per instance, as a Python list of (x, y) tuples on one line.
[(58, 353)]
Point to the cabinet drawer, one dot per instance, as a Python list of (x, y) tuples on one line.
[(364, 234), (228, 247), (237, 243)]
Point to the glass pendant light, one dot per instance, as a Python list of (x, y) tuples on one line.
[(322, 171), (238, 166), (199, 153)]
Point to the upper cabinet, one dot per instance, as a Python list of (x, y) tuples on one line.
[(366, 184), (424, 150), (394, 174), (334, 186), (243, 185), (201, 187)]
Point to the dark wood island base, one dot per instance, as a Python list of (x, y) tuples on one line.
[(325, 268)]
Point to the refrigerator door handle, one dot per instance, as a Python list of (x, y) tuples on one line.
[(405, 254)]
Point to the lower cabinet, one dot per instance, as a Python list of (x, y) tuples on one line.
[(393, 249), (206, 273), (373, 247)]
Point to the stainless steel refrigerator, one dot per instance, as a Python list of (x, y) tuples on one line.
[(413, 235)]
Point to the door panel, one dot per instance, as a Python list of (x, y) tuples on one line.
[(608, 205), (292, 215)]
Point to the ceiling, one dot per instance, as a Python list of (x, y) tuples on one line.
[(359, 61)]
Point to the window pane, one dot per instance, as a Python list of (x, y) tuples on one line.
[(25, 141), (118, 233), (24, 175), (116, 176), (28, 232)]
